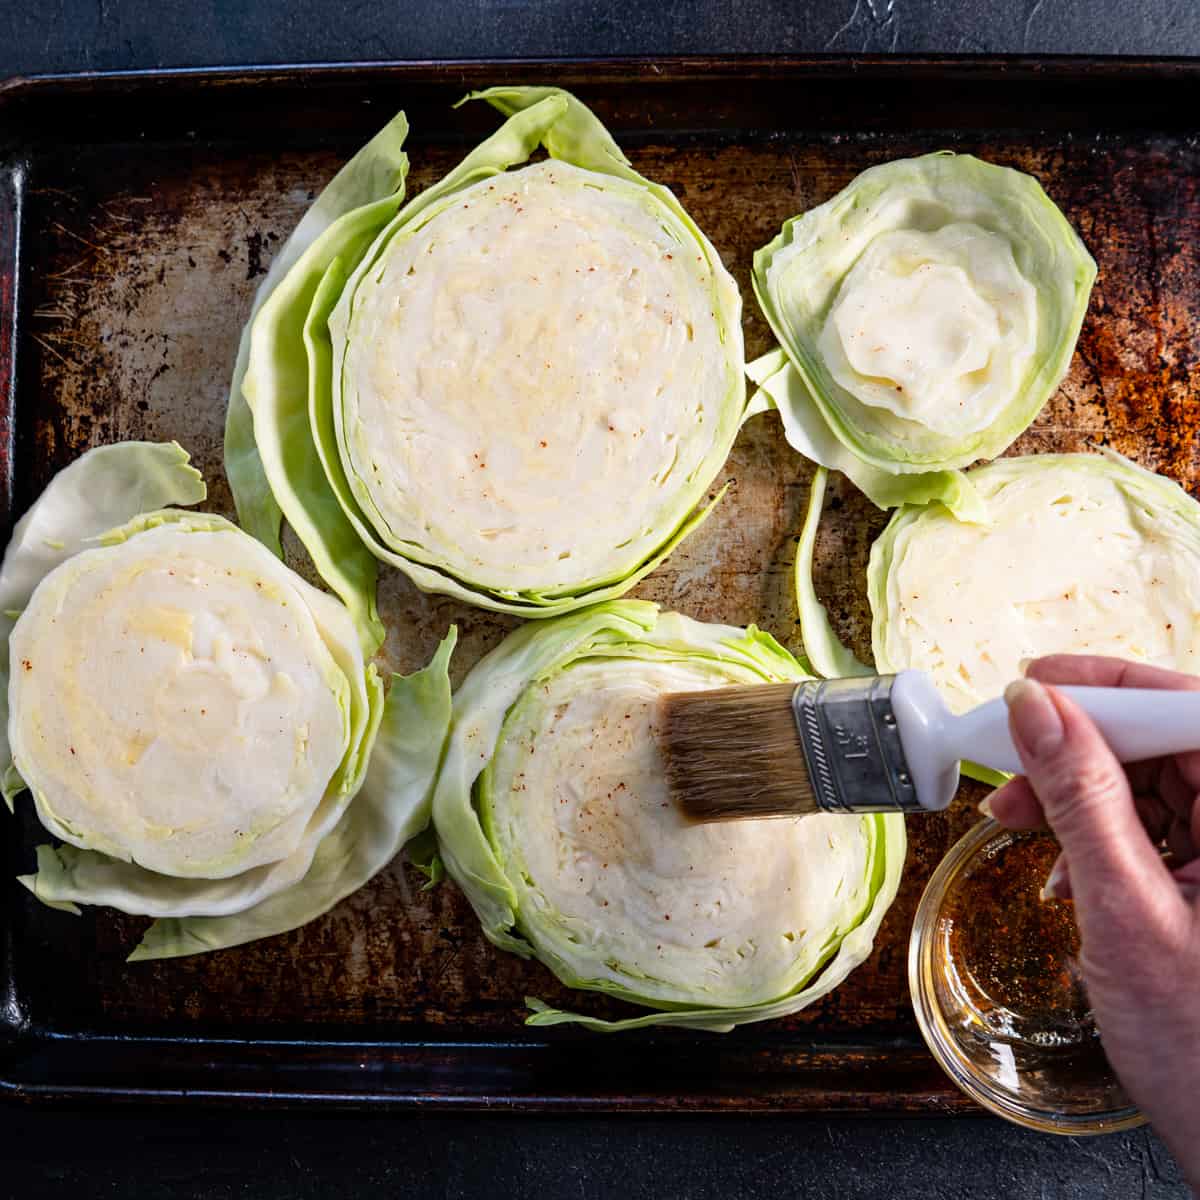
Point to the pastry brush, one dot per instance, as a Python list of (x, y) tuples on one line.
[(883, 743)]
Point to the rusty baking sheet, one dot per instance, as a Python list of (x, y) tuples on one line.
[(137, 214)]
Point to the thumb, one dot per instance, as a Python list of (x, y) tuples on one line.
[(1118, 878)]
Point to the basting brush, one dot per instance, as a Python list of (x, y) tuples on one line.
[(883, 743)]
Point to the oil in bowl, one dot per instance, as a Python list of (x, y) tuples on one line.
[(998, 991)]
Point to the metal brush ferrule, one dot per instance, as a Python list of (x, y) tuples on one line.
[(852, 746)]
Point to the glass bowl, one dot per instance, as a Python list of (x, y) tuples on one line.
[(997, 990)]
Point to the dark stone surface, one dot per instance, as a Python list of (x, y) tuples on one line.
[(72, 35), (172, 1156), (169, 1153)]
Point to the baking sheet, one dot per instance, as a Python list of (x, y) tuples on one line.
[(137, 216)]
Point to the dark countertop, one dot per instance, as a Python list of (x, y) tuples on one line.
[(73, 35), (219, 1156), (171, 1153)]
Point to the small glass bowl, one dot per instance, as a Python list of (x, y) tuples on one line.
[(997, 991)]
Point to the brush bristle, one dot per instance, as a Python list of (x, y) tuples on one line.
[(735, 753)]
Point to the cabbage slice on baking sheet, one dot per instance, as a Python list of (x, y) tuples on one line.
[(195, 723), (518, 386), (1081, 554), (552, 815), (924, 315)]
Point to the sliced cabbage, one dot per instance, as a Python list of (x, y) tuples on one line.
[(193, 720), (213, 671), (927, 312), (781, 387), (461, 386), (1082, 554), (552, 815)]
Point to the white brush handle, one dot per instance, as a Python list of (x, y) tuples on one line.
[(1137, 723)]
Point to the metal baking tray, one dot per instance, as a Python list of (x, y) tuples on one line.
[(137, 213)]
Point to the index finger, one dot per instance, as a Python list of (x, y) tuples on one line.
[(1094, 670)]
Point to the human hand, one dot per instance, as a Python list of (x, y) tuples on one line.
[(1138, 913)]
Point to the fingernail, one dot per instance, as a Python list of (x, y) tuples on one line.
[(1057, 886), (1024, 665), (985, 807), (1035, 720)]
